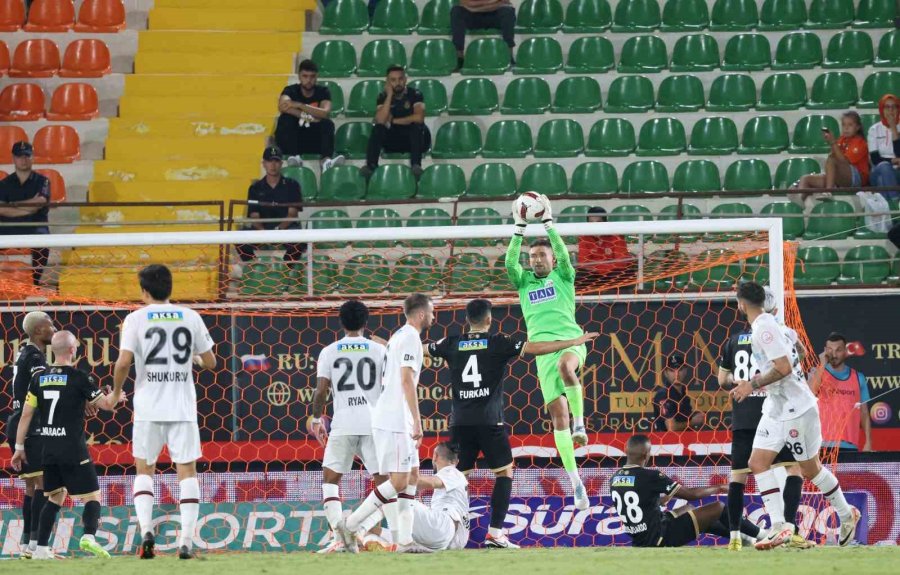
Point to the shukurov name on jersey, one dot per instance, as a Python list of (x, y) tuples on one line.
[(542, 295), (472, 344), (165, 316), (51, 380), (352, 347), (167, 377)]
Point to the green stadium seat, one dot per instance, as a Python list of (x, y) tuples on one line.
[(539, 17), (824, 14), (877, 85), (713, 136), (636, 16), (492, 180), (352, 139), (630, 94), (526, 96), (734, 15), (875, 14), (798, 51), (849, 49), (777, 15), (611, 137), (577, 95), (336, 58), (696, 176), (391, 182), (478, 217), (791, 170), (344, 17), (332, 219), (474, 97), (377, 55), (415, 273), (337, 97), (560, 138), (456, 140), (467, 273), (894, 276), (659, 264), (572, 215), (695, 53), (732, 93), (784, 91), (731, 209), (684, 16), (306, 178), (748, 175), (433, 57), (669, 213), (378, 218), (442, 181), (680, 94), (643, 54), (747, 53), (264, 277), (645, 176), (365, 274), (486, 56), (721, 276), (661, 137), (868, 120), (833, 91), (364, 98), (831, 220), (590, 55), (433, 93), (791, 215), (325, 275), (756, 268), (587, 16), (807, 138), (394, 17), (547, 178), (541, 55), (435, 18), (507, 139), (867, 265), (595, 178), (888, 50), (342, 183), (630, 213), (764, 135), (816, 266)]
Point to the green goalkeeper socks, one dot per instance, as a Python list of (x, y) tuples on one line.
[(575, 395), (566, 448)]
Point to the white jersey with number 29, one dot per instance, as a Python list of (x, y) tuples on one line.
[(789, 397), (404, 349), (354, 366)]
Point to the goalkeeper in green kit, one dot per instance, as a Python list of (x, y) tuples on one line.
[(547, 297)]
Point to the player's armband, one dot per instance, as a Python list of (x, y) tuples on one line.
[(31, 399)]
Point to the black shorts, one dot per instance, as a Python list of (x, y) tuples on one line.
[(678, 531), (491, 440), (33, 449), (742, 446), (79, 479)]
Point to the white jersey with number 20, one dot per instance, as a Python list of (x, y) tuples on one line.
[(789, 397), (354, 366), (404, 349)]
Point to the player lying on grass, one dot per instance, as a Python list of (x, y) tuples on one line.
[(636, 494), (60, 394)]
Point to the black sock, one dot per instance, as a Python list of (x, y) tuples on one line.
[(37, 506), (500, 500), (793, 489), (48, 519), (750, 528), (26, 519), (735, 505), (91, 517), (718, 527)]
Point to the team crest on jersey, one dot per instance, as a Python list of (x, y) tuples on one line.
[(623, 481), (472, 344), (51, 380), (165, 316), (744, 339), (542, 295), (352, 347)]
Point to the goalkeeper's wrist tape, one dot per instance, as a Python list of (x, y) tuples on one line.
[(520, 229), (548, 224), (20, 447)]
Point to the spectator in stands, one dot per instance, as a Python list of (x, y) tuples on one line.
[(303, 124), (601, 257), (884, 145), (266, 200), (894, 235), (847, 164), (399, 123), (672, 408), (481, 14), (31, 191)]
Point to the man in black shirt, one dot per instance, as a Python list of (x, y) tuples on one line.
[(477, 362), (636, 491), (399, 123), (31, 191), (672, 409), (303, 124)]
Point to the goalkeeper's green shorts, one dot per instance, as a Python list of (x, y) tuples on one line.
[(552, 384)]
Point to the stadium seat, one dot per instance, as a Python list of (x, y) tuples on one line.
[(415, 273), (696, 176), (629, 213), (547, 178), (4, 58), (391, 182), (833, 91), (12, 15), (467, 273), (611, 137), (587, 16), (636, 16), (101, 16), (732, 93), (492, 180), (560, 138), (680, 94), (38, 58), (670, 213), (875, 14), (365, 274), (572, 215), (57, 185), (791, 170), (9, 135), (816, 265), (684, 16), (433, 57), (21, 103), (734, 15), (831, 220), (850, 49), (798, 51), (442, 181), (643, 54), (507, 139), (377, 55), (578, 95), (791, 215), (888, 50), (378, 218), (660, 262), (342, 184), (777, 15), (539, 17), (541, 55), (331, 219), (336, 58), (352, 139), (748, 175), (434, 93), (590, 55), (456, 140), (869, 120), (363, 98), (645, 176), (721, 276), (478, 217), (764, 135), (747, 53), (50, 16), (428, 217), (394, 17), (526, 96), (661, 137), (345, 17), (807, 138), (474, 97), (337, 97), (785, 91), (825, 14), (56, 145), (486, 56), (874, 87), (629, 94), (306, 178), (756, 268), (264, 277), (729, 210), (713, 136), (86, 58), (865, 265), (894, 276), (595, 178), (74, 102), (435, 18), (695, 53)]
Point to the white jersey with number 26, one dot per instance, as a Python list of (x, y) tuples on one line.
[(789, 397), (354, 366)]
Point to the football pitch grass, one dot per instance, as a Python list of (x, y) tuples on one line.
[(558, 561)]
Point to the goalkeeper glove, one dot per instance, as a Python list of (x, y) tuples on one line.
[(547, 218), (519, 220)]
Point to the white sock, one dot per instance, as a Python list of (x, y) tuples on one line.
[(495, 532), (331, 501), (780, 476), (87, 537), (831, 489), (735, 535), (771, 496), (143, 502), (380, 498), (372, 520), (32, 544), (405, 519), (42, 550), (189, 505), (574, 478), (578, 421)]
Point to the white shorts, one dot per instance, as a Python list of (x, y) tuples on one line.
[(341, 449), (435, 530), (801, 435), (396, 452), (181, 437)]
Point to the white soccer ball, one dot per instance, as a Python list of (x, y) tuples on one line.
[(529, 206)]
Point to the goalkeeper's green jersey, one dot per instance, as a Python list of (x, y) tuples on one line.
[(548, 303)]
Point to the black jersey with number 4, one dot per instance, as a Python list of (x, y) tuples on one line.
[(477, 363), (635, 492), (60, 393), (737, 357)]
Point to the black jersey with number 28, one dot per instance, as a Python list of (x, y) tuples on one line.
[(477, 363), (737, 357), (635, 492)]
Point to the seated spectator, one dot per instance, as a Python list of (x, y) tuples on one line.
[(264, 197), (399, 123), (672, 408), (481, 14), (601, 257), (303, 125), (31, 191), (847, 164), (884, 146)]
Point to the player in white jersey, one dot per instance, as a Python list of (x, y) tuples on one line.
[(163, 340), (790, 418), (351, 368), (397, 430)]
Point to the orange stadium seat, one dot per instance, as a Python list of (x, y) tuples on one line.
[(4, 58), (21, 103), (74, 102), (51, 16), (87, 58), (56, 145), (101, 16), (12, 15), (37, 58), (57, 185), (9, 135)]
